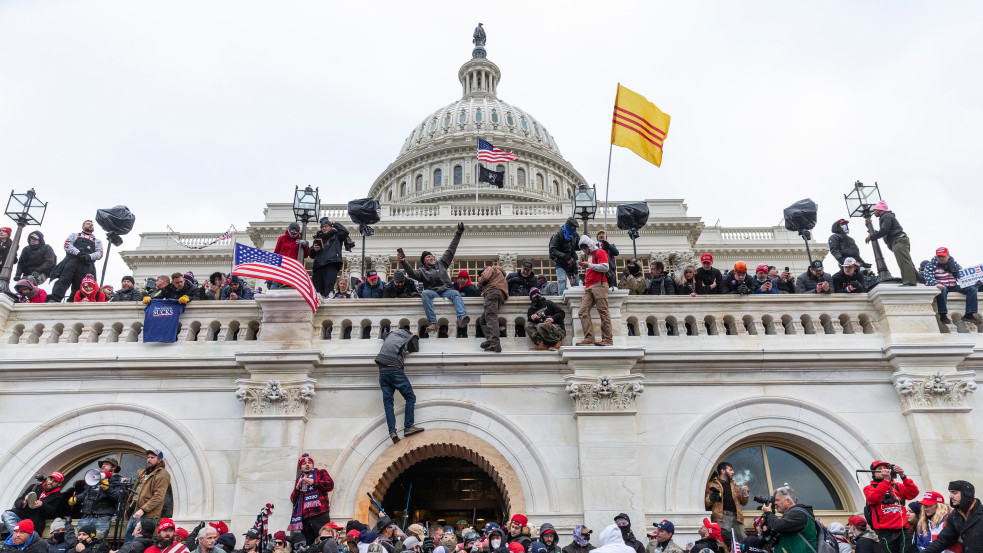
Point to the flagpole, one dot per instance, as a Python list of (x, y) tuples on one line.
[(477, 173), (607, 188)]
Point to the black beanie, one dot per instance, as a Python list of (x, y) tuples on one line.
[(963, 486), (571, 222), (324, 221), (129, 278), (147, 528), (424, 255)]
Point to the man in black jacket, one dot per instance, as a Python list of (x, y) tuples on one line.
[(564, 246), (814, 280), (326, 253), (521, 281), (896, 239), (964, 524), (101, 500), (545, 327), (841, 246), (37, 259), (143, 537), (24, 539), (128, 291), (434, 277), (659, 282), (848, 280), (400, 287), (89, 541), (708, 279), (82, 250), (624, 524), (38, 503), (396, 345), (178, 289)]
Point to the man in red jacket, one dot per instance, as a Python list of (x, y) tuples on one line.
[(310, 499), (886, 504)]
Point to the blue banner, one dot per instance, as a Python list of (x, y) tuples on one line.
[(161, 320)]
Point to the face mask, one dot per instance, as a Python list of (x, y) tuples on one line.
[(846, 229), (496, 543), (538, 300), (624, 531)]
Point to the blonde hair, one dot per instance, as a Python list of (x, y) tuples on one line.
[(941, 512), (681, 275)]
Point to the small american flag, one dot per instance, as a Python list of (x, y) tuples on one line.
[(487, 152), (250, 262)]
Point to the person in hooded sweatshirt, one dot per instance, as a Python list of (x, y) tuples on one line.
[(37, 259), (842, 246), (289, 245), (549, 538), (143, 537), (6, 244), (612, 541), (624, 524), (327, 256), (89, 291), (581, 541), (29, 293), (897, 240)]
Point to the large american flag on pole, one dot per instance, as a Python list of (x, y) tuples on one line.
[(487, 152), (250, 262)]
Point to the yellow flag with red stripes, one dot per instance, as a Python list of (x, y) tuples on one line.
[(639, 126)]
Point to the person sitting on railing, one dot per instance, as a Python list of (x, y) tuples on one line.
[(29, 293), (546, 287), (659, 282), (465, 286), (401, 287), (545, 327), (176, 289), (738, 281), (37, 259), (942, 272), (848, 280), (342, 290), (522, 281), (564, 246), (371, 287), (633, 279), (434, 277), (127, 291), (708, 279), (814, 280), (785, 280), (89, 292), (686, 281), (236, 290), (763, 284)]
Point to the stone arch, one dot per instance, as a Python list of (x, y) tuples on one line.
[(460, 428), (840, 446), (62, 437)]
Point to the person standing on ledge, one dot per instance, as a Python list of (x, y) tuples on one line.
[(896, 239)]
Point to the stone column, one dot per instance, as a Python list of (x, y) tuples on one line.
[(604, 390), (616, 298)]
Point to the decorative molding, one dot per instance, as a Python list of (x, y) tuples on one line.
[(674, 259), (935, 392), (276, 399), (382, 265), (898, 308), (507, 261), (605, 395)]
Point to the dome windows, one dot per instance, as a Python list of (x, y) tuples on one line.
[(478, 116), (437, 177), (463, 117), (419, 133), (535, 128), (447, 120), (419, 183), (509, 120), (546, 137), (555, 189), (402, 189), (494, 117), (540, 183), (433, 125), (524, 125), (520, 177), (458, 174)]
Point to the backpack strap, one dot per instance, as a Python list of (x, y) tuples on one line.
[(818, 532)]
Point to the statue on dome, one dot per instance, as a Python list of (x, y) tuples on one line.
[(479, 36)]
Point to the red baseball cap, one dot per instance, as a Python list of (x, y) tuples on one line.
[(706, 258), (352, 535), (878, 463), (857, 521), (333, 526), (516, 547), (931, 498), (713, 528), (58, 476), (942, 251), (219, 527), (165, 523)]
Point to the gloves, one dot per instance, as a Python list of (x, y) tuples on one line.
[(146, 300), (303, 243), (82, 256), (715, 495), (742, 289), (36, 275), (104, 484), (460, 227), (855, 285), (72, 500), (183, 299)]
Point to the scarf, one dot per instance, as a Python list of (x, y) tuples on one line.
[(308, 498), (568, 232), (577, 538), (46, 494)]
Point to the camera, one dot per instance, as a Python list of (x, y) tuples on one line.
[(39, 477), (764, 500), (715, 495)]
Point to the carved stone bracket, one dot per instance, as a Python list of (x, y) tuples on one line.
[(352, 264), (674, 259), (935, 392), (276, 399), (604, 395), (382, 265), (507, 261)]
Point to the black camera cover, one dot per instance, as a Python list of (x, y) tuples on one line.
[(117, 219), (364, 211), (801, 215), (633, 216)]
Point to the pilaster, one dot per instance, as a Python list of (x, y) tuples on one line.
[(573, 297)]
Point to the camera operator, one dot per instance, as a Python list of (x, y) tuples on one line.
[(38, 502), (886, 504), (100, 501), (724, 499), (796, 529)]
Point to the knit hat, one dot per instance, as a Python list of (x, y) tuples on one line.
[(26, 526), (294, 226), (880, 206), (424, 255), (219, 527), (535, 292), (516, 547), (571, 222), (88, 529), (304, 457), (463, 273), (324, 221), (6, 229), (367, 537), (227, 541), (399, 276), (129, 278), (90, 280), (761, 267), (837, 529), (147, 528), (181, 533), (57, 524), (537, 547)]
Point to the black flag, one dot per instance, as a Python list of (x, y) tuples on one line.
[(496, 178)]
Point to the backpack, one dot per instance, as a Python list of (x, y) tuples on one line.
[(869, 509), (825, 539)]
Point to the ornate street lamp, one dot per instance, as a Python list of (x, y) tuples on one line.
[(585, 203), (307, 207), (25, 209), (860, 202)]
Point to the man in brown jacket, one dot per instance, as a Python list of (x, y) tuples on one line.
[(724, 498), (495, 290), (150, 487)]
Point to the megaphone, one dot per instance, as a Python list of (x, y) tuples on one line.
[(94, 476)]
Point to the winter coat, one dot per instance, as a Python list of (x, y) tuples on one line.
[(612, 542), (435, 277), (4, 249), (572, 547), (38, 258), (786, 286), (960, 528), (395, 347), (519, 286), (323, 484), (612, 252), (890, 229), (468, 291), (547, 527), (684, 287), (153, 488), (138, 545), (39, 295), (332, 242), (717, 508), (705, 278), (50, 504), (244, 293), (133, 294), (733, 286), (493, 278), (563, 252), (287, 246), (81, 252), (547, 310), (951, 267), (841, 281), (34, 545), (807, 282), (661, 285), (707, 543), (866, 543), (408, 290), (96, 501), (366, 291), (758, 284), (59, 547), (94, 546), (891, 516), (634, 284), (549, 289), (169, 292), (795, 522), (841, 246), (668, 547)]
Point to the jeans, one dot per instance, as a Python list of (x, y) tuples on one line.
[(395, 380), (453, 295), (133, 523), (10, 519), (562, 280), (971, 303), (99, 522)]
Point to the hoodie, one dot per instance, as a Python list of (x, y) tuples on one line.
[(40, 295), (597, 267), (547, 527), (612, 542), (96, 295), (841, 246), (36, 258)]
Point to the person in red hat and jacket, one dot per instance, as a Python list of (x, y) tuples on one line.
[(310, 499), (886, 503)]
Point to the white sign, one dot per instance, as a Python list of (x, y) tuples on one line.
[(970, 275)]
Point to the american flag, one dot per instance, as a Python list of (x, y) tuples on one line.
[(250, 262), (487, 152)]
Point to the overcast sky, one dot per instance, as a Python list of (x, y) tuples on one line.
[(196, 114)]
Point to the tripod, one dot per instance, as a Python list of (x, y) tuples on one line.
[(120, 517)]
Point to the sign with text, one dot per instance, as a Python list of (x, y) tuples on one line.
[(970, 275)]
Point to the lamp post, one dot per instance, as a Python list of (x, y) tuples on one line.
[(860, 202), (25, 209), (307, 206), (585, 203)]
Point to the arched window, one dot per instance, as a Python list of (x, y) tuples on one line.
[(419, 183), (463, 118), (540, 183), (522, 123), (535, 127), (569, 193), (494, 116), (390, 195), (478, 116), (419, 133), (765, 466), (447, 120), (458, 174), (433, 125), (130, 460), (509, 120), (546, 137), (520, 177), (402, 189), (555, 189), (437, 175)]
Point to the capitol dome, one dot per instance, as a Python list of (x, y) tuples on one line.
[(438, 160)]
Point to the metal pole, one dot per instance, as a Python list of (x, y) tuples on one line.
[(362, 276), (607, 186), (634, 248), (883, 274), (105, 261), (303, 236), (406, 511), (8, 264)]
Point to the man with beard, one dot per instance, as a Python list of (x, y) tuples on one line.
[(400, 287), (127, 291), (82, 249), (38, 503), (516, 525), (964, 525), (663, 538), (148, 497), (521, 281), (88, 541), (548, 538), (37, 259), (433, 275), (886, 501), (143, 538), (23, 539), (166, 541), (251, 542), (100, 501), (624, 524), (710, 538)]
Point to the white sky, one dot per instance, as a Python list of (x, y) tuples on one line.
[(196, 114)]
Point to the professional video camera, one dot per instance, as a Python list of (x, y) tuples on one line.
[(764, 500)]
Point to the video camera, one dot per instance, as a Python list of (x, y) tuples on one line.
[(764, 500), (894, 473)]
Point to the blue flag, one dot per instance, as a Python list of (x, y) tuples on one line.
[(161, 320)]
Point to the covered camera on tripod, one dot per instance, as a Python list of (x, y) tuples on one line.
[(632, 217), (801, 217), (364, 212)]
